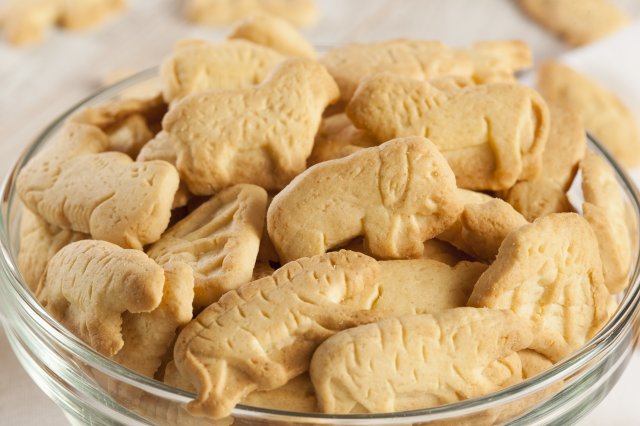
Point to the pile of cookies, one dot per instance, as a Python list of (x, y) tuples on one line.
[(385, 228)]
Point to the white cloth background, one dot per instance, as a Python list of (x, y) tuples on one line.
[(38, 83)]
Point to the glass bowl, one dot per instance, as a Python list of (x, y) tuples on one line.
[(92, 389)]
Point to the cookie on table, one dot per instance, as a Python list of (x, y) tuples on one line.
[(604, 115), (578, 22), (274, 32), (25, 21), (301, 13)]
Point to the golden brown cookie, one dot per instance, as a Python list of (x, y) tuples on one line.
[(219, 12), (424, 286), (550, 274), (219, 240), (533, 363), (578, 22), (563, 151), (492, 135), (603, 113), (161, 148), (261, 135), (89, 285), (273, 32), (337, 138), (424, 60), (148, 336), (605, 208), (297, 395), (483, 225), (75, 185), (197, 66), (39, 241), (414, 362), (263, 334), (396, 196)]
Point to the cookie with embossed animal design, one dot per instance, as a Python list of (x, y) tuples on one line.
[(416, 361), (396, 196), (492, 135)]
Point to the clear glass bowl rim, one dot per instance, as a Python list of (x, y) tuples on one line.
[(601, 344)]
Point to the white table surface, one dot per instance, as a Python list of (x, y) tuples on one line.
[(38, 83)]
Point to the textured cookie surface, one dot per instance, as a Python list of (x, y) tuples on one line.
[(198, 66), (577, 21), (563, 151), (550, 274), (424, 286), (39, 241), (423, 60), (297, 395), (263, 335), (492, 135), (261, 135), (215, 12), (274, 32), (337, 138), (606, 211), (483, 225), (415, 361), (88, 286), (219, 240), (603, 113), (148, 336), (73, 184), (396, 195)]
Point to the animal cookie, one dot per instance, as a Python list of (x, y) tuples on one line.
[(261, 135), (491, 135), (606, 211), (263, 334), (297, 395), (603, 113), (533, 363), (74, 185), (577, 22), (148, 336), (128, 122), (216, 12), (89, 285), (414, 362), (563, 151), (199, 66), (161, 148), (397, 196), (24, 21), (424, 286), (483, 225), (274, 32), (219, 239), (550, 274), (423, 60), (337, 138), (39, 241)]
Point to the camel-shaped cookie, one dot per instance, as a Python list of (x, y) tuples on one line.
[(396, 195)]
